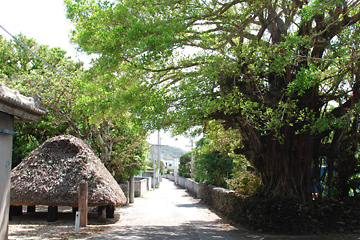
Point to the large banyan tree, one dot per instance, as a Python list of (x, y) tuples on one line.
[(286, 73)]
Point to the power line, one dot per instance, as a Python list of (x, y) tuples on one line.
[(23, 45)]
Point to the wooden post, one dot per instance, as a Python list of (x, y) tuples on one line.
[(102, 214), (74, 210), (110, 210), (31, 209), (16, 210), (52, 214), (83, 203)]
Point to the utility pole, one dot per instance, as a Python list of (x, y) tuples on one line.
[(159, 157), (156, 160), (154, 166), (192, 158)]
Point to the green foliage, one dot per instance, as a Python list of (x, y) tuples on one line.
[(243, 180), (213, 168), (284, 74), (75, 107), (228, 169), (185, 165)]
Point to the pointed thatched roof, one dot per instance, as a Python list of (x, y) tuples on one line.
[(50, 175)]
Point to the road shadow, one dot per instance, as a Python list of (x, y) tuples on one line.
[(65, 215), (190, 205), (204, 230)]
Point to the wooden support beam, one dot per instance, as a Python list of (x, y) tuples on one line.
[(74, 210), (83, 203), (16, 210), (110, 210), (31, 209), (52, 214), (101, 214)]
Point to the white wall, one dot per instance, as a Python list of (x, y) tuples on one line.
[(6, 122), (192, 186)]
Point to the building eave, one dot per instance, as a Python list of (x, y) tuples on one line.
[(21, 107)]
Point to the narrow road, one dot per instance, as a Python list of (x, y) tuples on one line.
[(170, 213)]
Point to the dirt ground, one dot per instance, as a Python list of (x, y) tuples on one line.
[(34, 226), (165, 213)]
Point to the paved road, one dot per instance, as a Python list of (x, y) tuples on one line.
[(170, 213)]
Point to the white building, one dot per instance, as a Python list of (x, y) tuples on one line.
[(172, 164)]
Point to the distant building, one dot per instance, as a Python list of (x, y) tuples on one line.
[(171, 164)]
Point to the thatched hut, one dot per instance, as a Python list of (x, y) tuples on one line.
[(50, 175)]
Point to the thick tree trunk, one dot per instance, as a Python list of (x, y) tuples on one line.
[(285, 166)]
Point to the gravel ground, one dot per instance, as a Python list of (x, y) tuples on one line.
[(33, 226)]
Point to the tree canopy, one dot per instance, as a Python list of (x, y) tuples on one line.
[(74, 107), (285, 73)]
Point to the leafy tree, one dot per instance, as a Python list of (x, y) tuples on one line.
[(22, 71), (185, 165), (217, 162), (74, 107), (284, 73), (213, 168)]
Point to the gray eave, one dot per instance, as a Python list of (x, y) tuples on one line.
[(21, 107)]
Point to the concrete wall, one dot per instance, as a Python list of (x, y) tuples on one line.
[(148, 182), (140, 187), (192, 186), (6, 122), (170, 176)]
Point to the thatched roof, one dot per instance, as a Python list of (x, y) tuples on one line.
[(21, 107), (50, 175)]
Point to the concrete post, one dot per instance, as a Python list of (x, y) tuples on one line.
[(83, 203), (6, 140), (132, 190), (77, 222)]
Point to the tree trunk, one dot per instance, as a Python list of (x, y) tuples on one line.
[(285, 166)]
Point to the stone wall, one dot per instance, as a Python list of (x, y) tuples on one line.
[(281, 215), (225, 201), (125, 188)]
